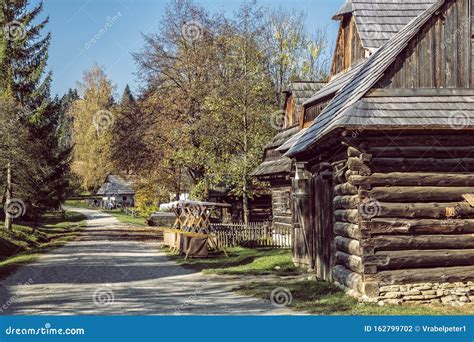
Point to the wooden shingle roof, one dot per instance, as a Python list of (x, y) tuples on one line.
[(114, 185), (379, 20), (336, 83), (275, 163), (445, 108), (273, 167), (281, 138), (336, 114), (302, 91)]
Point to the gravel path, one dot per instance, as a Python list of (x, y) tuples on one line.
[(109, 271)]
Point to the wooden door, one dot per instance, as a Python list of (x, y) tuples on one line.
[(323, 225), (302, 218)]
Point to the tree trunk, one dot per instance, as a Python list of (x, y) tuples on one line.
[(35, 224), (8, 198), (245, 205)]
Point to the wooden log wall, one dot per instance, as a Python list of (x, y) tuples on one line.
[(348, 254), (400, 214), (260, 208)]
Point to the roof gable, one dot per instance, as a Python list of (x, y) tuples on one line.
[(379, 20), (114, 185), (336, 113), (297, 94)]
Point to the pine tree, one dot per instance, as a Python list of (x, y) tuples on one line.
[(127, 97), (65, 121), (23, 78), (129, 151)]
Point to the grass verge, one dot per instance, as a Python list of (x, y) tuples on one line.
[(77, 204), (24, 245), (124, 218), (323, 298), (315, 297), (244, 261)]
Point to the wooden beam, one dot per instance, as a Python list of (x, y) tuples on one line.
[(418, 242), (348, 278), (351, 262), (416, 193), (396, 226), (349, 246), (423, 275), (348, 230), (413, 179), (425, 210), (437, 92)]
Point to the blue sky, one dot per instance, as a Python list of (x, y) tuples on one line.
[(74, 24)]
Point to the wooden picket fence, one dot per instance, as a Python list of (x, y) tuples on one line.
[(256, 234)]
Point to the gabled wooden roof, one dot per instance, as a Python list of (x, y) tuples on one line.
[(281, 138), (336, 83), (301, 92), (114, 185), (273, 167), (337, 113), (290, 142), (275, 163), (379, 20), (440, 108)]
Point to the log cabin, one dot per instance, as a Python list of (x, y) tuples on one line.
[(275, 168), (116, 192), (383, 180)]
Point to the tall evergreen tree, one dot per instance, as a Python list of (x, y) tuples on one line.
[(65, 121), (127, 97), (24, 79), (129, 150)]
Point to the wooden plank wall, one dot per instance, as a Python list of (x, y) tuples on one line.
[(400, 212), (440, 54), (349, 49), (323, 224), (303, 224), (312, 112)]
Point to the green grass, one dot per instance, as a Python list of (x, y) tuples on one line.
[(78, 204), (124, 218), (24, 245), (315, 297), (323, 298), (244, 261)]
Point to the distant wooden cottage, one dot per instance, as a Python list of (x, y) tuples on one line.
[(276, 168), (384, 170), (116, 192)]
